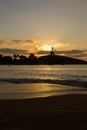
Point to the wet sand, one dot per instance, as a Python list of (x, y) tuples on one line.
[(67, 112)]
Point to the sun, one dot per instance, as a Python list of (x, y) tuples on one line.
[(47, 47)]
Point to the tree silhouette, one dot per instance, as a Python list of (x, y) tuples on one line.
[(1, 58), (7, 60), (32, 58), (14, 56)]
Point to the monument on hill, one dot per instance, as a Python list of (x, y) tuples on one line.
[(52, 51)]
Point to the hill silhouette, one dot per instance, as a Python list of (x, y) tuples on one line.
[(50, 59), (57, 59)]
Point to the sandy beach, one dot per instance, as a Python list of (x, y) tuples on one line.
[(67, 112)]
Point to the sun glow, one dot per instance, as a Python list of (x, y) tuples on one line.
[(47, 47)]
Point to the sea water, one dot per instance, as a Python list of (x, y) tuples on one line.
[(31, 81)]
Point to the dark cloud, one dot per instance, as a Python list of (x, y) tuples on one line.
[(29, 44), (12, 51), (6, 41), (23, 41), (81, 55), (30, 41), (43, 52), (72, 51), (17, 41), (65, 52)]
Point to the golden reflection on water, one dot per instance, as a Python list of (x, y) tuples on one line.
[(34, 90)]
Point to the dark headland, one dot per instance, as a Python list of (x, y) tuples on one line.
[(56, 59), (50, 59)]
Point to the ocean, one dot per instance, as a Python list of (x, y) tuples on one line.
[(32, 81)]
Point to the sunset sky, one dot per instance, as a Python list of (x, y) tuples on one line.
[(37, 25)]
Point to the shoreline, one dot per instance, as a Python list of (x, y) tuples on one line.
[(75, 83), (55, 112)]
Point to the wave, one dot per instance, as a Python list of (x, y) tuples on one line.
[(77, 83)]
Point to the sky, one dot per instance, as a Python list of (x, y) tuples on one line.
[(37, 25)]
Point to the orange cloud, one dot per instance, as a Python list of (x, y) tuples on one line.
[(34, 45)]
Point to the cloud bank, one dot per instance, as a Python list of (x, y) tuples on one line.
[(12, 51), (31, 45), (21, 46)]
